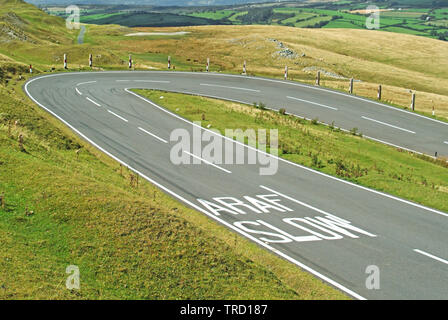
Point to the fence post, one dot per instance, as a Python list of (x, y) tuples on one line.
[(379, 92), (318, 78), (130, 61), (413, 101), (65, 61), (286, 72), (90, 61), (208, 64), (350, 88), (244, 67), (169, 62)]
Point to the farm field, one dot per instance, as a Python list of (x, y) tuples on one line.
[(410, 19)]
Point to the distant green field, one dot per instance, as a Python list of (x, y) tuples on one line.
[(422, 18), (215, 15)]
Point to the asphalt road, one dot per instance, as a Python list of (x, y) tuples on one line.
[(366, 243)]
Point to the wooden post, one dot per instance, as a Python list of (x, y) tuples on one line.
[(413, 101), (379, 92), (90, 61), (21, 142), (65, 61), (244, 67), (286, 72), (350, 88), (169, 62), (208, 64), (318, 78), (433, 111)]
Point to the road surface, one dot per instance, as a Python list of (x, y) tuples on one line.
[(368, 244)]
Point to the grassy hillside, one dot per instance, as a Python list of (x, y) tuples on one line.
[(373, 57), (65, 203)]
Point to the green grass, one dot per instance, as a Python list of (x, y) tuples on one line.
[(129, 242), (406, 175), (215, 15)]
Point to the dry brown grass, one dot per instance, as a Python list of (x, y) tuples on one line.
[(399, 62)]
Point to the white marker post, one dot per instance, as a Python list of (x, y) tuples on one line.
[(65, 61), (286, 72), (379, 92), (31, 70), (130, 61), (90, 61), (208, 64), (169, 62), (413, 101), (244, 67)]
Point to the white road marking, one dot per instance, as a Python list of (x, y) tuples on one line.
[(153, 135), (79, 92), (315, 103), (207, 162), (81, 83), (194, 205), (446, 142), (152, 81), (95, 103), (289, 162), (431, 256), (122, 80), (236, 88), (117, 115), (387, 124)]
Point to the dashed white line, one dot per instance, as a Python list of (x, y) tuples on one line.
[(79, 92), (153, 135), (315, 103), (153, 81), (95, 103), (431, 256), (81, 83), (446, 142), (123, 80), (236, 88), (207, 162), (117, 115), (388, 124)]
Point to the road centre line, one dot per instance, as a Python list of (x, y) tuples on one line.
[(81, 83), (315, 103), (446, 142), (79, 92), (207, 162), (236, 88), (431, 256), (153, 135), (152, 81), (387, 124), (117, 115), (95, 103)]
